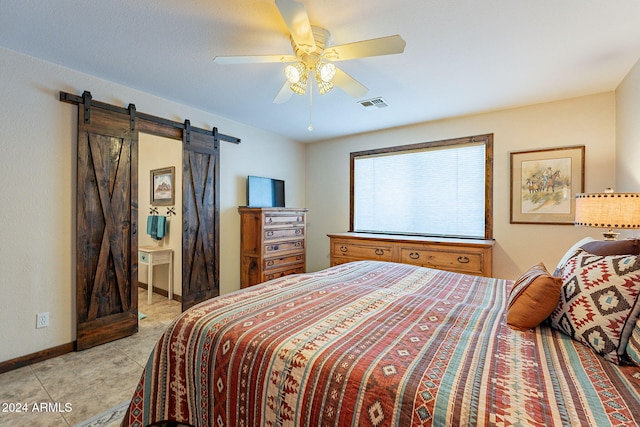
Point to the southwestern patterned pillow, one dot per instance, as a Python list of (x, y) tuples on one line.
[(598, 303), (633, 346)]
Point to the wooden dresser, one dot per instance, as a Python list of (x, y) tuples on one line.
[(272, 243), (469, 256)]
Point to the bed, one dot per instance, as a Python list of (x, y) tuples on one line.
[(376, 344)]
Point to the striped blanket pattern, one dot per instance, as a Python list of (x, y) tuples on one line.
[(375, 344)]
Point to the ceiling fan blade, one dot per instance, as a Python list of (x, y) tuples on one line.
[(254, 59), (348, 84), (297, 20), (284, 95), (373, 47)]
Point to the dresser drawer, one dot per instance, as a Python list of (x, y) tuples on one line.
[(277, 263), (458, 260), (143, 257), (275, 249), (283, 233), (373, 250), (276, 219), (275, 274), (159, 257)]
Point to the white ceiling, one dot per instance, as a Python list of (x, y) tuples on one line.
[(462, 56)]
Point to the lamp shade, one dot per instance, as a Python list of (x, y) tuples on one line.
[(608, 210)]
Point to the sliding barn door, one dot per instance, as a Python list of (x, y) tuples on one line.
[(200, 215), (107, 302)]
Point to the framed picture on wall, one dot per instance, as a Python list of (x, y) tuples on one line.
[(162, 186), (544, 184)]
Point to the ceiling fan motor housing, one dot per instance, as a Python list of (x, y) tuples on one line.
[(310, 55)]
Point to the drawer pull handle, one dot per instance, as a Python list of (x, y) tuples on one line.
[(298, 244), (269, 233), (298, 232), (269, 263), (343, 248), (379, 251), (269, 220), (414, 255), (463, 259)]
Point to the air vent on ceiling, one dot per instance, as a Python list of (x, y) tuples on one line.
[(373, 102)]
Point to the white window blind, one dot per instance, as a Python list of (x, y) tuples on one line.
[(435, 191)]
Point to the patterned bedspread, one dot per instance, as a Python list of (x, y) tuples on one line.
[(375, 344)]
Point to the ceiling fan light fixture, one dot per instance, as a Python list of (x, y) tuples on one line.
[(325, 71), (295, 73), (300, 87), (324, 87)]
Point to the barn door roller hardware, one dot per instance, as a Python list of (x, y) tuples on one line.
[(87, 103)]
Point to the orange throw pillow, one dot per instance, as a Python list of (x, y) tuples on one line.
[(533, 298)]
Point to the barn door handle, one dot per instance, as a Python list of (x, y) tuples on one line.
[(135, 227), (463, 259)]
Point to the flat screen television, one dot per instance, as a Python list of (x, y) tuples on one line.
[(264, 192)]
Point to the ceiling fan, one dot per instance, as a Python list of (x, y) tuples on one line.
[(313, 57)]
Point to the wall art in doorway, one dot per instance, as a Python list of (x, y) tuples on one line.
[(162, 186)]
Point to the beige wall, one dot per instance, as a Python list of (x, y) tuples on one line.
[(628, 132), (628, 137), (588, 121), (37, 181)]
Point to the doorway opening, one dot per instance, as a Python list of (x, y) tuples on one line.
[(156, 153)]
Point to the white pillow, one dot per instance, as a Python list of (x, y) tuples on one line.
[(570, 252)]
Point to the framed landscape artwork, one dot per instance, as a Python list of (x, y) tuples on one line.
[(544, 184), (162, 187)]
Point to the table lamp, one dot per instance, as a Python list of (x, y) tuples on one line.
[(608, 210)]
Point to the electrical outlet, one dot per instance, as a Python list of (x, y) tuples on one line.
[(42, 320)]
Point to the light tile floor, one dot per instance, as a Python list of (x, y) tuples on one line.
[(90, 381)]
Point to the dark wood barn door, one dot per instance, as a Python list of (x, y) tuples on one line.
[(106, 218), (200, 216), (106, 292)]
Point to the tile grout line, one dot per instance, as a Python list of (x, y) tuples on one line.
[(35, 374)]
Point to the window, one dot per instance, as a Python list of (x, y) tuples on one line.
[(440, 188)]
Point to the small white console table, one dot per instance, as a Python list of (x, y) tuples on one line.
[(152, 256)]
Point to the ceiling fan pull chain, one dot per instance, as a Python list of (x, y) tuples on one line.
[(310, 128)]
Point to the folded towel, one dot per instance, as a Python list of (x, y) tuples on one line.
[(152, 224), (161, 229), (156, 226)]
